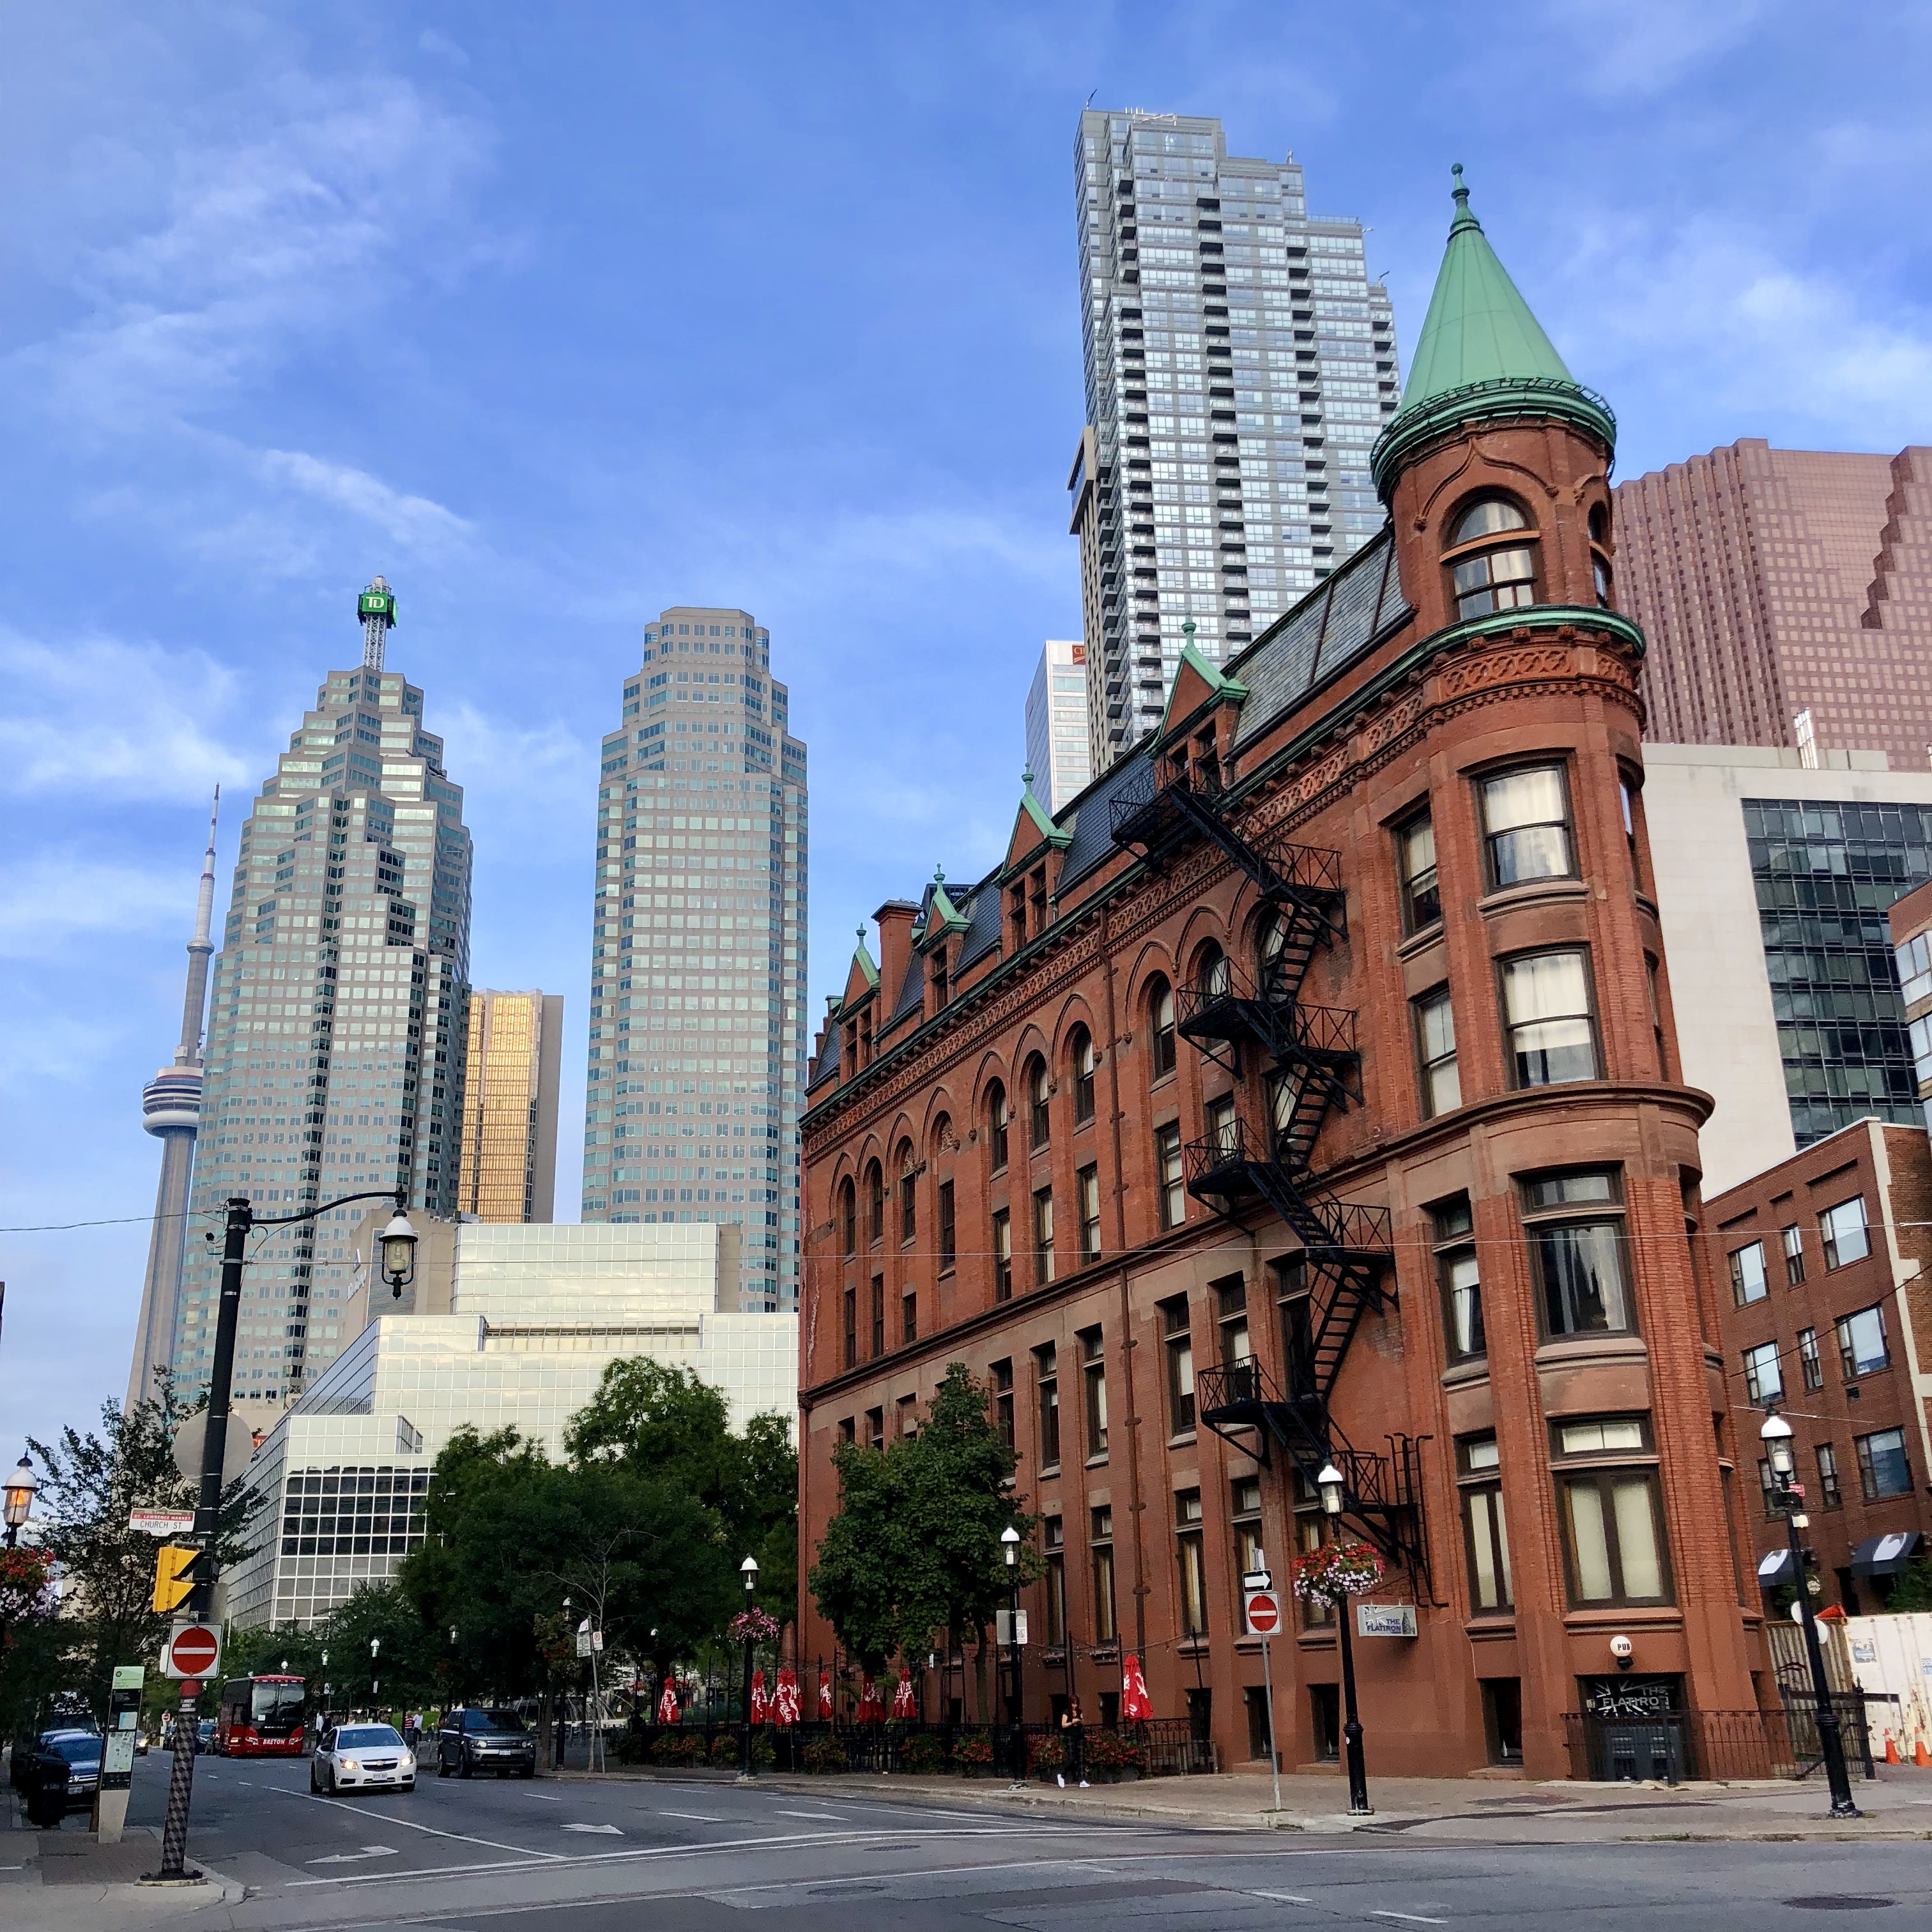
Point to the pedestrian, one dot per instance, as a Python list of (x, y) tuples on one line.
[(411, 1730), (1073, 1739)]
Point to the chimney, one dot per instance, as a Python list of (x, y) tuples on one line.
[(895, 919)]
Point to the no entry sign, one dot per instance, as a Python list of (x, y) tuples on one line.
[(1264, 1612), (193, 1651)]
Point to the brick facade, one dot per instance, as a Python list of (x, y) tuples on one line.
[(1276, 792)]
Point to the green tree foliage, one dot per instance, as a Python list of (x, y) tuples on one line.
[(89, 1484), (915, 1547), (1913, 1591), (406, 1665), (662, 1422)]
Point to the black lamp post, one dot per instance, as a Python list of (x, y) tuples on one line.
[(1788, 1497), (1009, 1547), (1333, 1486), (748, 1569), (375, 1645), (21, 1486), (399, 1268)]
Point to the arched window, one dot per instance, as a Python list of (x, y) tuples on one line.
[(1039, 1118), (1213, 976), (908, 1194), (1491, 566), (848, 1214), (1083, 1059), (1160, 1026), (945, 1211), (999, 1123), (875, 1204), (1271, 957)]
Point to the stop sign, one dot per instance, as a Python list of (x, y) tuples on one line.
[(1264, 1610), (193, 1650)]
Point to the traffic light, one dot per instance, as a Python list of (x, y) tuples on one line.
[(174, 1579)]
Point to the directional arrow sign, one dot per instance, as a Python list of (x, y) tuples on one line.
[(193, 1651), (1264, 1612)]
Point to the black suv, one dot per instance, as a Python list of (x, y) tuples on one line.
[(473, 1741)]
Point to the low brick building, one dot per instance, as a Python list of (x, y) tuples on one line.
[(1306, 1089), (1829, 1260)]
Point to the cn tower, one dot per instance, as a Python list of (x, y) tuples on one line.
[(171, 1110)]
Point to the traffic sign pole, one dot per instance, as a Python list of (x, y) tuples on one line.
[(1261, 1610)]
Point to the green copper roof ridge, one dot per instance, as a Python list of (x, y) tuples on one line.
[(1218, 685), (1043, 819)]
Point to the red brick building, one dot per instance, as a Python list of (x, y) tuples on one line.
[(1828, 1260), (1306, 1089)]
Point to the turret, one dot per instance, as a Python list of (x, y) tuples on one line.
[(1496, 468), (377, 608)]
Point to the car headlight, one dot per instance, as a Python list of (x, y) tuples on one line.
[(347, 1764)]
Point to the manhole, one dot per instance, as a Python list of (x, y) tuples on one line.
[(1840, 1902)]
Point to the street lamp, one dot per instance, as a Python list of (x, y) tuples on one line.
[(240, 1220), (1334, 1488), (1788, 1499), (1010, 1548), (21, 1486), (748, 1569), (375, 1645)]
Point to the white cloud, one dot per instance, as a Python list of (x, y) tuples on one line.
[(101, 716), (59, 897), (1638, 47), (414, 522)]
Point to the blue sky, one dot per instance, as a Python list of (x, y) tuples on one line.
[(555, 316)]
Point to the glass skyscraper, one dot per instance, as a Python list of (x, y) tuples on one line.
[(696, 1054), (334, 1057), (508, 1152), (1059, 745), (1240, 363)]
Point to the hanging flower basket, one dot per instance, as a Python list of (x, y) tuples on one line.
[(753, 1627), (1336, 1571)]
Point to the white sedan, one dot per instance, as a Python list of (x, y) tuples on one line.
[(362, 1757)]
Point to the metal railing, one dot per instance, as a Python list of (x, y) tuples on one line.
[(1669, 1746)]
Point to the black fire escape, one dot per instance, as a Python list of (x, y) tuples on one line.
[(1310, 1062)]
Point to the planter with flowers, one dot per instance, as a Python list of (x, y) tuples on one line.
[(753, 1626), (974, 1753), (1115, 1757), (1336, 1571)]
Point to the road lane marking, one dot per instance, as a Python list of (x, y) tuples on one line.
[(696, 1817), (609, 1830), (1282, 1898), (543, 1797), (352, 1858), (1410, 1918), (410, 1825), (778, 1810)]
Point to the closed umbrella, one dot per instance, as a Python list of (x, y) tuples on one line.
[(1135, 1703), (784, 1701), (903, 1704), (668, 1703), (761, 1705)]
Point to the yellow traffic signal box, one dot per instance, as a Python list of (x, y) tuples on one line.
[(174, 1577)]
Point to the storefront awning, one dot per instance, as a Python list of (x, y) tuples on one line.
[(1886, 1556), (1774, 1569)]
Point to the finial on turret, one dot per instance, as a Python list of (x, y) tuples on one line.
[(939, 875), (1460, 194)]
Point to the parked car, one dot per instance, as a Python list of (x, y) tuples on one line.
[(361, 1757), (71, 1758), (204, 1736), (485, 1740)]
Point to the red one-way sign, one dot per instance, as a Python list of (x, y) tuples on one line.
[(193, 1651), (1263, 1612)]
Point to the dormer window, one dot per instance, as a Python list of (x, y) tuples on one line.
[(936, 969), (1491, 566)]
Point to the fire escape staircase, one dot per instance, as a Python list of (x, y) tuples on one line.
[(1316, 1065)]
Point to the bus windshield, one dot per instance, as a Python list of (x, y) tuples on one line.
[(278, 1707)]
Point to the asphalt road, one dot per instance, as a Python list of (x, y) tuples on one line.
[(697, 1856)]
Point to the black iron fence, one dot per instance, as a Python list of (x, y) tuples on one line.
[(1153, 1748), (1667, 1747)]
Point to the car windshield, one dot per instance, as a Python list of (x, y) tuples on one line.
[(77, 1751), (278, 1706), (367, 1737), (492, 1720)]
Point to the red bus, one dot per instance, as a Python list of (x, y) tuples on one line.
[(261, 1717)]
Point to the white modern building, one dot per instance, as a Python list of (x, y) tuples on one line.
[(1058, 753), (1773, 878), (506, 1326)]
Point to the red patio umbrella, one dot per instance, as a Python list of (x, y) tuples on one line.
[(903, 1703), (761, 1705), (784, 1700), (872, 1705), (825, 1709), (1134, 1701), (668, 1703)]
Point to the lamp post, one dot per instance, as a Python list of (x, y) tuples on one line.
[(748, 1569), (1334, 1488), (1788, 1497), (21, 1486), (1010, 1548), (325, 1686), (399, 1268), (375, 1645)]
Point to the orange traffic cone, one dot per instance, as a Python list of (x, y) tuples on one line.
[(1892, 1756), (1921, 1756)]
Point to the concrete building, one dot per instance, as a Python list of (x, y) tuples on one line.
[(1828, 1260), (335, 1048), (507, 1154), (698, 951), (171, 1110), (1310, 1089), (504, 1327), (1772, 881), (1240, 362), (1058, 753), (1909, 922), (1786, 595)]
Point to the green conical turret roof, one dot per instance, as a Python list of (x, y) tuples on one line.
[(1481, 354)]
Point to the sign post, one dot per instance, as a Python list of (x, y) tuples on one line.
[(1261, 1609), (117, 1752)]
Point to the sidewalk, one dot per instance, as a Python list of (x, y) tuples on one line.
[(46, 1877), (1897, 1805)]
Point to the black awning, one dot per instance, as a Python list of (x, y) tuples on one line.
[(1886, 1556), (1775, 1568)]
